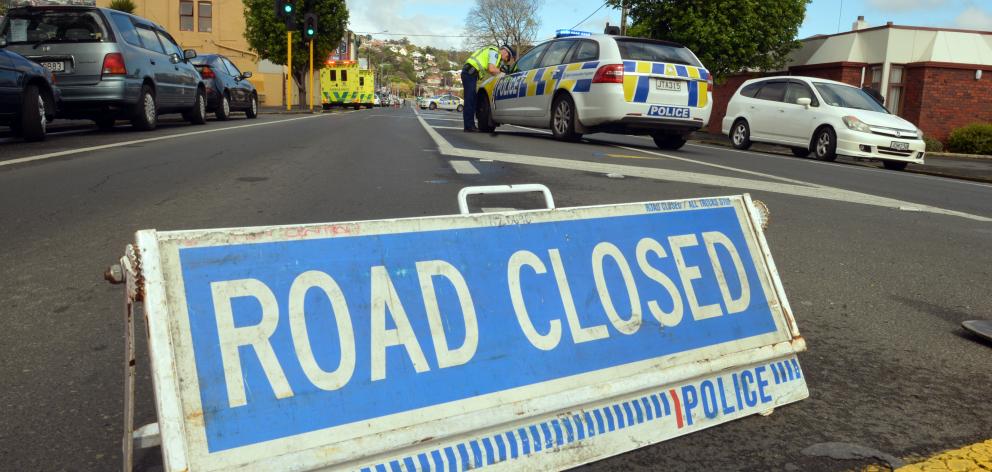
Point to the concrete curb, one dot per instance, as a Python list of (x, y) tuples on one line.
[(954, 155)]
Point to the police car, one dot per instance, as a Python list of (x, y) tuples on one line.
[(582, 83), (444, 102)]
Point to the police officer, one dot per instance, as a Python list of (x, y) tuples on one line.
[(480, 65)]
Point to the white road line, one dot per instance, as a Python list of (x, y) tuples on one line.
[(852, 166), (441, 119), (804, 189), (497, 209), (709, 164), (543, 131), (148, 140), (464, 167), (447, 127)]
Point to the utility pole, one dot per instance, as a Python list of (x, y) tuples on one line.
[(623, 18)]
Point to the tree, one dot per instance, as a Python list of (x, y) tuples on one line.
[(266, 35), (728, 36), (498, 22), (126, 6)]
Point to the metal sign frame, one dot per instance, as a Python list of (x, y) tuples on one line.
[(566, 415)]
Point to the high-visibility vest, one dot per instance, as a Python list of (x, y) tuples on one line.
[(480, 60)]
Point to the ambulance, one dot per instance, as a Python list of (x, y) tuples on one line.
[(581, 83), (343, 83)]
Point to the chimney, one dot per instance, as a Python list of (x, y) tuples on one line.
[(860, 24)]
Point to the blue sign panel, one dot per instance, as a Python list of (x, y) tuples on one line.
[(290, 337)]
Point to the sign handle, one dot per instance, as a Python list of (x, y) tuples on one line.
[(500, 189)]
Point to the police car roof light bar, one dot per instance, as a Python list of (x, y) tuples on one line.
[(564, 33)]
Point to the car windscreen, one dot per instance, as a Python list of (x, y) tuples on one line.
[(845, 96), (656, 51), (47, 26)]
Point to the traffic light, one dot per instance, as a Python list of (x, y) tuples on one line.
[(286, 10), (309, 26)]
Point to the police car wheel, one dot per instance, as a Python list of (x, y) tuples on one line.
[(740, 135), (668, 141), (894, 165), (483, 114), (563, 119), (433, 106), (800, 151), (460, 108)]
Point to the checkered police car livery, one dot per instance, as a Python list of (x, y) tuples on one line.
[(600, 83)]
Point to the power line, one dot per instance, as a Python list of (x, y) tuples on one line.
[(590, 15), (417, 35)]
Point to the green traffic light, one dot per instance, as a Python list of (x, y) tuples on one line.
[(288, 8), (310, 31)]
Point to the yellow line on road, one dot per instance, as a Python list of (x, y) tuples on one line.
[(976, 457)]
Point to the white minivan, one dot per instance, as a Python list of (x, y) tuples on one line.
[(821, 116)]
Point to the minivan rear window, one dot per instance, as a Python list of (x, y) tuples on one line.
[(50, 26), (656, 51)]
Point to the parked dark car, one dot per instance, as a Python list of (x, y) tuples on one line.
[(228, 89), (28, 98), (108, 64)]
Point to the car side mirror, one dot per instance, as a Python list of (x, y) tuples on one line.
[(246, 74), (174, 58), (804, 102), (189, 54)]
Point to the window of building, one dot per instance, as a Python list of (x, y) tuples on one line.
[(186, 15), (876, 77), (894, 100), (206, 17)]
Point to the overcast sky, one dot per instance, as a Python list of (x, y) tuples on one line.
[(446, 17)]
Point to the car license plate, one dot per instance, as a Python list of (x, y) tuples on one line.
[(899, 146), (673, 85), (54, 66)]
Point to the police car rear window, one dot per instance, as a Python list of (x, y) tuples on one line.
[(655, 51)]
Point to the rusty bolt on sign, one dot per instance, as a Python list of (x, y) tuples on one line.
[(114, 274)]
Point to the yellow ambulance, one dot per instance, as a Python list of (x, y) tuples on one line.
[(343, 83)]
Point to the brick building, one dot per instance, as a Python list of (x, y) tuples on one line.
[(940, 79)]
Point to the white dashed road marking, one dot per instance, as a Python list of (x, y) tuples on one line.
[(464, 167)]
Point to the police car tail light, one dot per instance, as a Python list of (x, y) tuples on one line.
[(609, 74), (207, 73)]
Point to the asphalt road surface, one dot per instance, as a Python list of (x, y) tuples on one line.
[(880, 267)]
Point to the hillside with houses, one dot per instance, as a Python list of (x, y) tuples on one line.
[(408, 69)]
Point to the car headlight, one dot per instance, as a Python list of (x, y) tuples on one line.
[(852, 122)]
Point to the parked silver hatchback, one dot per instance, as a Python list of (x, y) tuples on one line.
[(109, 65)]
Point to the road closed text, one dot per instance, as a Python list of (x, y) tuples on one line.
[(440, 316)]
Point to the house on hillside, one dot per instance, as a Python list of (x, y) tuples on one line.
[(938, 78)]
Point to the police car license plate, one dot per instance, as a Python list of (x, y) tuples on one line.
[(668, 112), (673, 85), (899, 146), (54, 66)]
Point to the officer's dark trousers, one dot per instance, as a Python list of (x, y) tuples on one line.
[(469, 81)]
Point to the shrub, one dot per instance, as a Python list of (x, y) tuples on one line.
[(126, 6), (972, 139), (933, 144)]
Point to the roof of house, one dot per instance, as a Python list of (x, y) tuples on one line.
[(897, 44)]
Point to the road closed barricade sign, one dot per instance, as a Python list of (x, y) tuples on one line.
[(531, 340)]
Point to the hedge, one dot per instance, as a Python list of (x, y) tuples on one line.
[(972, 139)]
